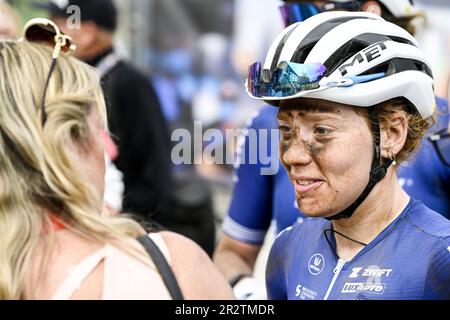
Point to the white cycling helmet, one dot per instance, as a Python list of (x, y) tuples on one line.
[(353, 58)]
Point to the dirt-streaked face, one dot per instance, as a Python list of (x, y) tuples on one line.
[(327, 150)]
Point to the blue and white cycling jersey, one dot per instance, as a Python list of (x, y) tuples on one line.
[(425, 177), (258, 199), (410, 259)]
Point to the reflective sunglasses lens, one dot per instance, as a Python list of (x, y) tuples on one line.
[(253, 79), (287, 80)]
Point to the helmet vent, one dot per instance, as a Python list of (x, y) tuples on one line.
[(354, 46), (398, 65), (311, 39), (401, 40)]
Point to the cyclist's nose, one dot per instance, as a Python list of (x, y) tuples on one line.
[(295, 152)]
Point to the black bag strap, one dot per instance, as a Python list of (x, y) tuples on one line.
[(163, 267)]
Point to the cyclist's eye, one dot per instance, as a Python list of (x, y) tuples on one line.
[(285, 131), (321, 131)]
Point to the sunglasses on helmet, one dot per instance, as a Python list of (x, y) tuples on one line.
[(46, 32), (290, 79)]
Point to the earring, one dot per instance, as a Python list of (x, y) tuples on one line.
[(391, 155)]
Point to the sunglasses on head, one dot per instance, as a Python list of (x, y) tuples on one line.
[(46, 32)]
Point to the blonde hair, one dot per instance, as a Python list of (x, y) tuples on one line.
[(37, 171)]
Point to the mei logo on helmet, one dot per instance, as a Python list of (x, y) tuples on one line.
[(374, 288), (316, 264), (370, 54)]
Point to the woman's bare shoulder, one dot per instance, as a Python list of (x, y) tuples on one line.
[(198, 277), (60, 255)]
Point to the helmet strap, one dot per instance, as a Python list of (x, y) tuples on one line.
[(377, 172)]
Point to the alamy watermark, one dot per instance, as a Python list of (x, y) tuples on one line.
[(73, 12), (74, 19), (250, 146)]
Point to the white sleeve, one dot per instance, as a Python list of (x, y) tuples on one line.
[(114, 186)]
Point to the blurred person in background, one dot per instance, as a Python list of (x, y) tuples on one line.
[(440, 140), (9, 21), (55, 241), (441, 143), (135, 117), (252, 37), (190, 210), (260, 199), (425, 177)]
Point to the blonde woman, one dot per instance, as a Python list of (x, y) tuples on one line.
[(54, 241)]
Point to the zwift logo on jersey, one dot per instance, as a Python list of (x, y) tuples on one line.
[(316, 264), (370, 272)]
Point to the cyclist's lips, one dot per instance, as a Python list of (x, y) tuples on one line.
[(306, 184)]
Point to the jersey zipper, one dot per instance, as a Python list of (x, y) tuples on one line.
[(336, 271)]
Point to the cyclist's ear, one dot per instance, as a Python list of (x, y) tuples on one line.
[(394, 132), (372, 7)]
